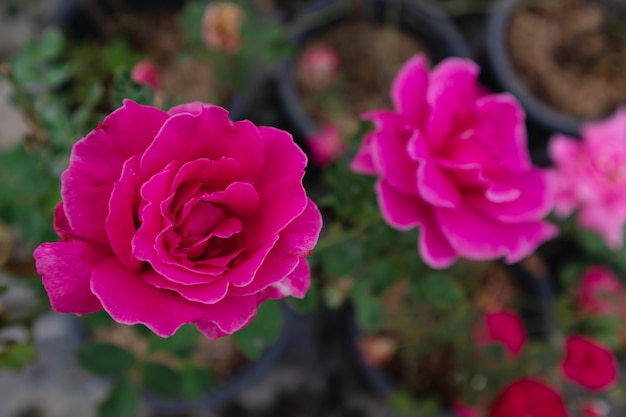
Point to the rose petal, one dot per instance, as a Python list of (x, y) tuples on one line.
[(66, 268), (408, 91), (96, 164)]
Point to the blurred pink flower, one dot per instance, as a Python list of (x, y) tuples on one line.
[(146, 72), (462, 410), (453, 162), (594, 408), (600, 292), (589, 364), (318, 66), (326, 145), (221, 26), (503, 327), (527, 397), (591, 177)]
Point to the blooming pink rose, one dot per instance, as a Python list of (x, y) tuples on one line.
[(591, 177), (180, 217), (145, 72), (527, 397), (503, 327), (600, 292), (589, 364), (318, 66), (453, 162), (326, 145)]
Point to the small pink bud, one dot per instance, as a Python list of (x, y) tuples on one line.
[(146, 73), (326, 145), (318, 66)]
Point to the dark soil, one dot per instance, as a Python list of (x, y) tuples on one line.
[(369, 57), (571, 54)]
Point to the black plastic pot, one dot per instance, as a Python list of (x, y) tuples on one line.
[(416, 18), (545, 117), (78, 19), (232, 388)]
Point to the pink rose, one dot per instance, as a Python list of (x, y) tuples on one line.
[(326, 145), (453, 162), (145, 72), (527, 397), (594, 408), (318, 66), (600, 292), (180, 217), (503, 327), (589, 364), (591, 177)]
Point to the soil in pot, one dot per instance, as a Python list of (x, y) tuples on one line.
[(571, 54), (368, 57)]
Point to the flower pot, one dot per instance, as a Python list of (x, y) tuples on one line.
[(415, 19), (562, 107)]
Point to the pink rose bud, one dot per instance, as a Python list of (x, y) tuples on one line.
[(600, 292), (453, 162), (527, 397), (177, 217), (221, 26), (326, 145), (595, 408), (146, 73), (504, 327), (591, 177), (318, 66), (589, 364)]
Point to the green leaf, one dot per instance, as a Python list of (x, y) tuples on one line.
[(183, 342), (124, 87), (161, 379), (437, 290), (261, 332), (196, 382), (17, 356), (105, 359), (369, 312), (55, 76), (96, 320), (51, 44), (308, 303), (122, 401)]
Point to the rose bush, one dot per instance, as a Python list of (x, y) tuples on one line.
[(452, 161), (180, 217)]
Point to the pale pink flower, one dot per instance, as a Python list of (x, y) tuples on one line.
[(146, 72), (504, 327), (591, 177), (453, 162), (594, 408), (221, 26), (600, 292), (318, 66), (180, 217), (326, 145)]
